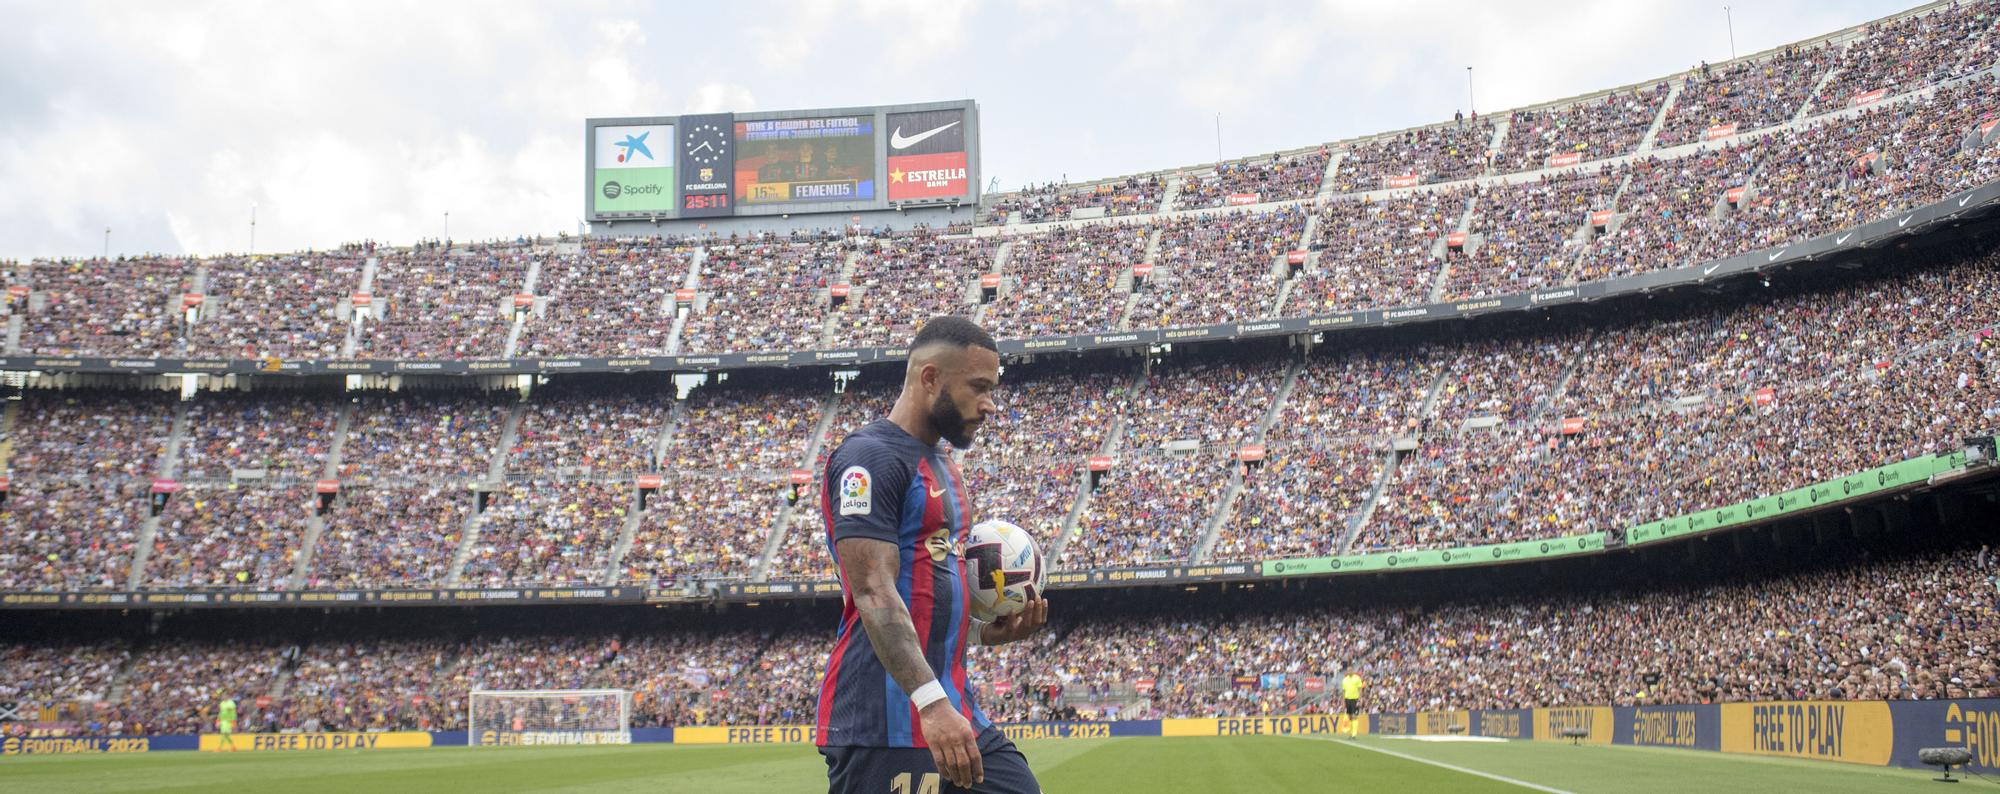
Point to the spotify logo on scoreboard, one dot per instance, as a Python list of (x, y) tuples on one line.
[(633, 170)]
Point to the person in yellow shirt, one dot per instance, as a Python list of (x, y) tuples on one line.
[(1351, 687)]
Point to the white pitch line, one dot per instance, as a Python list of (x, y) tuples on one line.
[(1442, 765)]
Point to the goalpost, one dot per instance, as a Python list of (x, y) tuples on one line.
[(548, 716)]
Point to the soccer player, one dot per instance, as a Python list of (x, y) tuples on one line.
[(1351, 686), (225, 723), (895, 710)]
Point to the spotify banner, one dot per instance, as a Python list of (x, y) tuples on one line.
[(633, 170)]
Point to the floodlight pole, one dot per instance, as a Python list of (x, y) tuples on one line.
[(1730, 20), (107, 242)]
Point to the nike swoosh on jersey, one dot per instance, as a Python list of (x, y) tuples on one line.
[(897, 141), (937, 493)]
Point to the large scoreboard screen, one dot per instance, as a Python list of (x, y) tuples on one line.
[(767, 163), (786, 161)]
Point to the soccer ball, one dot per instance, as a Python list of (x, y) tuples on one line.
[(1006, 569)]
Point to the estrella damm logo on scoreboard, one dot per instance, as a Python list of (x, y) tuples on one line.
[(1859, 732)]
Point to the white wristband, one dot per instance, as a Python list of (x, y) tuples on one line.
[(927, 694), (974, 638)]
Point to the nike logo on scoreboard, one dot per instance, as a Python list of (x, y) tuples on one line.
[(897, 141)]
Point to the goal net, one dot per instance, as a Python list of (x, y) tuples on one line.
[(549, 716)]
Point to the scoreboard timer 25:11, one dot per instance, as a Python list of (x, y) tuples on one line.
[(709, 201)]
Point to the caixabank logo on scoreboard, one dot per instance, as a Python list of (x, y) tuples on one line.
[(927, 158)]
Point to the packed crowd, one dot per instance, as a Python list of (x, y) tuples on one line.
[(108, 434), (1673, 409), (287, 306), (388, 536), (1135, 195), (1592, 129), (546, 533), (1916, 626), (608, 433), (745, 429), (422, 436), (900, 281), (1525, 237), (444, 303), (615, 299), (1276, 178), (1298, 502), (1743, 96), (105, 307), (1066, 281), (1216, 270), (1378, 253), (704, 526), (69, 534), (1151, 507), (764, 295), (257, 435), (1905, 54), (223, 535), (1425, 156)]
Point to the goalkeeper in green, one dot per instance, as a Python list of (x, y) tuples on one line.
[(225, 723)]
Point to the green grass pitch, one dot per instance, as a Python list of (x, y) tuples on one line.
[(1139, 765)]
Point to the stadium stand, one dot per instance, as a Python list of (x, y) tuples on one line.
[(1445, 153), (1065, 281), (903, 280), (1276, 178), (1378, 253), (1137, 195), (1592, 129), (764, 295), (445, 303), (614, 299), (1864, 630), (1216, 270), (1743, 96), (1432, 436)]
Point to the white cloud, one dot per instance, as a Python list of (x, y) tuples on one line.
[(349, 120)]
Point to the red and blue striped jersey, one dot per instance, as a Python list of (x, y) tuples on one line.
[(883, 483)]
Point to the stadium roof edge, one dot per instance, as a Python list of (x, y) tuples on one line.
[(1838, 36)]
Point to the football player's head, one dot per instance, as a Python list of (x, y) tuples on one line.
[(953, 368)]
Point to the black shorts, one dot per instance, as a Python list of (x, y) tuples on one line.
[(1353, 707), (874, 770)]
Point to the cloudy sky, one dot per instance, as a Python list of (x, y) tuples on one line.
[(168, 121)]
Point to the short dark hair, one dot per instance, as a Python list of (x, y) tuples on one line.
[(953, 330)]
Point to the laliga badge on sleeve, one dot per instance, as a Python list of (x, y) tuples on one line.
[(857, 494)]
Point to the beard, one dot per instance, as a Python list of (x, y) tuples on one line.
[(949, 423)]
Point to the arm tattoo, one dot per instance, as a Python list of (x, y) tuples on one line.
[(895, 640), (870, 569)]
